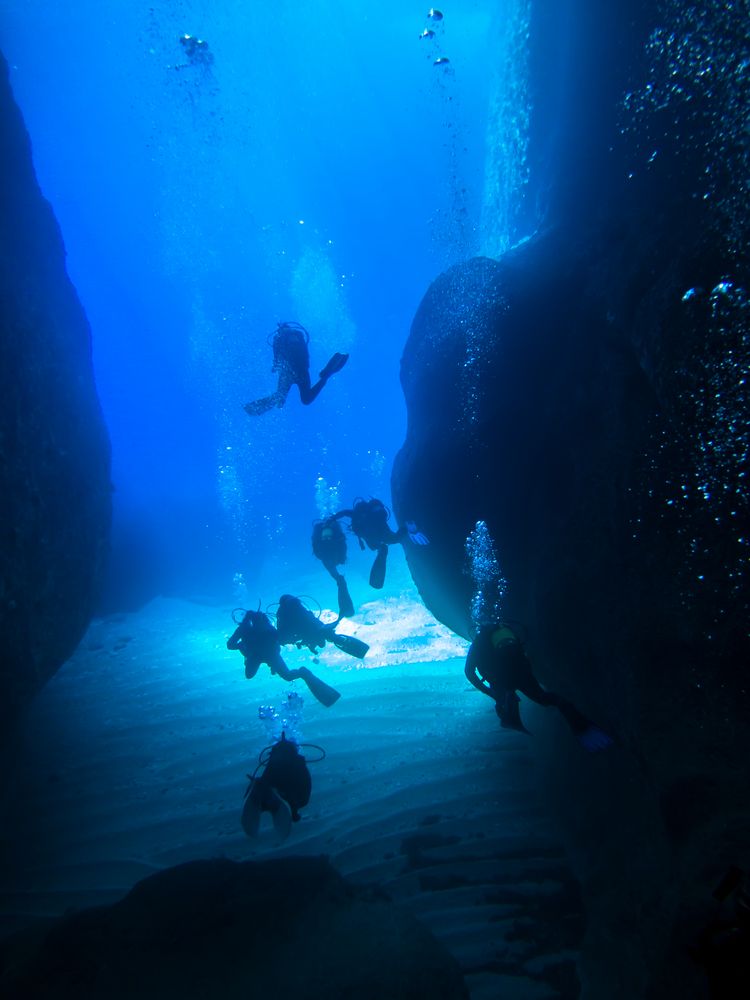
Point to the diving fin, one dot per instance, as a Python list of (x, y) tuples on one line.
[(282, 816), (509, 713), (325, 694), (377, 573), (251, 815), (336, 363), (259, 406), (346, 605), (349, 644)]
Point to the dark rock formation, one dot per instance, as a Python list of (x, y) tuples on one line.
[(583, 396), (54, 449), (284, 928)]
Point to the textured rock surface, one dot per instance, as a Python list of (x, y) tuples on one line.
[(285, 928), (583, 396), (54, 449)]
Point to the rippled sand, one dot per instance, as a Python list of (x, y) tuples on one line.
[(135, 757)]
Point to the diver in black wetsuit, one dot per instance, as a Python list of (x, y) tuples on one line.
[(258, 641), (369, 522), (282, 790), (291, 359), (297, 624), (497, 665), (329, 545)]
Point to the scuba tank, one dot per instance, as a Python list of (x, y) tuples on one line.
[(369, 521), (329, 542), (297, 624)]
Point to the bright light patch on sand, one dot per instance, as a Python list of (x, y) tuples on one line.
[(397, 630)]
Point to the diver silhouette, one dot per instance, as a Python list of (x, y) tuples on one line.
[(282, 789), (329, 545), (368, 520), (297, 625), (291, 359), (258, 641), (497, 665)]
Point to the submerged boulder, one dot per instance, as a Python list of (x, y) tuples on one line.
[(54, 448), (286, 928)]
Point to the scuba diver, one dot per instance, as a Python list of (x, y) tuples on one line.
[(283, 788), (258, 641), (369, 522), (291, 359), (497, 665), (297, 624), (329, 545), (197, 52)]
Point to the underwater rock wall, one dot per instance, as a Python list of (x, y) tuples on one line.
[(54, 449), (583, 397)]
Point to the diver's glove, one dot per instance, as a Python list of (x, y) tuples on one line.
[(415, 535)]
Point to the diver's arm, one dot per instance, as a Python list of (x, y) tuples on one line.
[(341, 513), (473, 677), (233, 642)]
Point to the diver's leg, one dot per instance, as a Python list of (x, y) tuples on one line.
[(588, 734), (308, 393), (251, 667), (259, 406), (277, 398), (346, 605), (278, 666), (377, 573)]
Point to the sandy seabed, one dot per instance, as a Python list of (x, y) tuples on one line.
[(135, 757)]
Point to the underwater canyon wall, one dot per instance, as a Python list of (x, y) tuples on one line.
[(55, 493), (584, 396)]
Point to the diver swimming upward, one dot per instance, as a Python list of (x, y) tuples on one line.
[(291, 359)]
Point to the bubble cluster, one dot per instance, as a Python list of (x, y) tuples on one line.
[(327, 497), (695, 105), (285, 718), (480, 348), (693, 113), (489, 584), (507, 169)]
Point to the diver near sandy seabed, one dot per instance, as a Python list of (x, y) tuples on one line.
[(291, 359), (497, 665), (283, 788), (368, 520), (329, 545), (258, 641), (297, 625)]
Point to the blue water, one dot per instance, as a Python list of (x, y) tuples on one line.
[(319, 167)]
